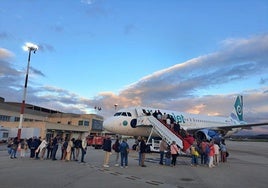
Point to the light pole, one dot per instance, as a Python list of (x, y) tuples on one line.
[(27, 47)]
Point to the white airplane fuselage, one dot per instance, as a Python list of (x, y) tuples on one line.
[(120, 123)]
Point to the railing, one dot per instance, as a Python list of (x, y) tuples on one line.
[(165, 132), (162, 129), (169, 134)]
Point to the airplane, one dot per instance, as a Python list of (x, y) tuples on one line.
[(139, 121)]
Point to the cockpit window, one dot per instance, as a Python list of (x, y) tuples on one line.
[(117, 114), (123, 114)]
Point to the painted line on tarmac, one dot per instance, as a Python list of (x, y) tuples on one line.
[(130, 177)]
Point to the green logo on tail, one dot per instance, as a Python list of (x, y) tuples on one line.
[(239, 107)]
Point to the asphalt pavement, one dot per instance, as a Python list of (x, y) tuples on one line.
[(247, 167)]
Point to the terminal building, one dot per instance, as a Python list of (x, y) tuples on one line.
[(48, 122)]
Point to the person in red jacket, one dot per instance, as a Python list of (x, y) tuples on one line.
[(211, 154)]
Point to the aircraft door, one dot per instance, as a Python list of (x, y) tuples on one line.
[(133, 123)]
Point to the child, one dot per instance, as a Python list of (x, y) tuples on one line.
[(194, 155), (168, 157)]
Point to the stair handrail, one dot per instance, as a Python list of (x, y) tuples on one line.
[(165, 132)]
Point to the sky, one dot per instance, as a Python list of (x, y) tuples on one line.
[(191, 56)]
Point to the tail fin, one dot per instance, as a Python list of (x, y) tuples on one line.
[(239, 107)]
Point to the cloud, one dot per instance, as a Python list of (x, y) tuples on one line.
[(37, 72), (263, 81), (8, 76), (235, 62), (175, 88), (12, 79), (4, 54)]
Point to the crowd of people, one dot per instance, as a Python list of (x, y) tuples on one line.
[(74, 149), (169, 121), (43, 149), (209, 153), (121, 149)]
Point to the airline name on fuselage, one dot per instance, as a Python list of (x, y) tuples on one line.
[(178, 118)]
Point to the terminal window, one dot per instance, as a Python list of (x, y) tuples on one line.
[(83, 123), (97, 125)]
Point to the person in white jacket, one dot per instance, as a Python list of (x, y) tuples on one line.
[(42, 148), (69, 150)]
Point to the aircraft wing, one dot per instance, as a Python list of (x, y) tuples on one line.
[(244, 125), (229, 127)]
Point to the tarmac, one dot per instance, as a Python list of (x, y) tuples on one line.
[(247, 167)]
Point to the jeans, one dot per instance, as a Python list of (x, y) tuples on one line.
[(72, 154), (204, 158), (140, 158), (161, 157), (13, 153), (124, 158), (83, 155), (49, 153), (54, 152), (168, 161), (194, 160)]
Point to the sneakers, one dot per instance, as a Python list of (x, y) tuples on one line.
[(116, 165), (106, 166)]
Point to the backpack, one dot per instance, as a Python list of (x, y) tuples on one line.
[(168, 154), (148, 149), (124, 147), (115, 147)]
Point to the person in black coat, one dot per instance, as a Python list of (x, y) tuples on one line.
[(49, 149), (142, 151), (55, 144), (107, 148), (33, 144), (78, 147)]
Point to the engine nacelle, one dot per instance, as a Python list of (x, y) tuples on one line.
[(208, 134)]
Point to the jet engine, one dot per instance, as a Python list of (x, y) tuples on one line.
[(208, 134)]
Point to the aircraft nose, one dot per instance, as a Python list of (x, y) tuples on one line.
[(107, 124)]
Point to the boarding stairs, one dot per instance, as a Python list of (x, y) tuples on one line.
[(165, 132), (161, 129)]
